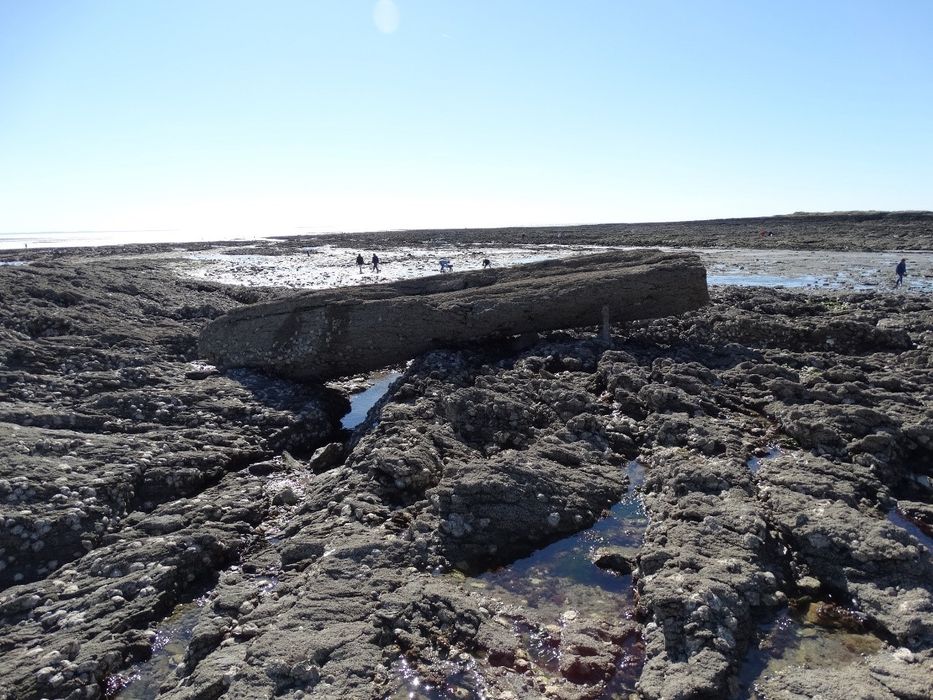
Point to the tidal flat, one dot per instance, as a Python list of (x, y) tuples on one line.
[(477, 529)]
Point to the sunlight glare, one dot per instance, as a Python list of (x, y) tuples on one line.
[(386, 16)]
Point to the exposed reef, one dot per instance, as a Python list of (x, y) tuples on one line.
[(333, 565)]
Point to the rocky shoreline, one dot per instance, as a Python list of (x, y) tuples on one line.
[(330, 564)]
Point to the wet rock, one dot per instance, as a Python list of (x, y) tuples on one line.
[(836, 616), (445, 445), (615, 560), (885, 676), (285, 496), (808, 585), (500, 508), (587, 656), (920, 513), (846, 543)]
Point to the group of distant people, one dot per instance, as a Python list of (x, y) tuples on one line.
[(446, 265), (374, 261)]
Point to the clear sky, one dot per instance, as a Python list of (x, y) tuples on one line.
[(286, 115)]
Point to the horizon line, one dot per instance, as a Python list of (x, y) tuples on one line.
[(311, 229)]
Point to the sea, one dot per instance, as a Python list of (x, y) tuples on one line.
[(20, 240)]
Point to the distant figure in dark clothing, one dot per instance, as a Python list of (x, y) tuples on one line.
[(486, 263), (446, 266), (375, 263), (360, 262), (901, 270)]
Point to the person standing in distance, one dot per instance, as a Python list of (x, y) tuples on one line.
[(375, 262), (360, 262), (901, 270)]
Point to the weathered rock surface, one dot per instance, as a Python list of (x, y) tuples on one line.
[(88, 619), (837, 533), (104, 408), (705, 571), (334, 333), (356, 558), (345, 576)]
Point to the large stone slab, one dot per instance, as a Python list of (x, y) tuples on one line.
[(331, 333)]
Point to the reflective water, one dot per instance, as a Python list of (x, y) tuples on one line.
[(142, 681), (902, 521), (361, 403), (460, 681), (563, 574), (796, 639), (815, 270), (746, 280), (557, 583), (67, 239), (754, 463), (922, 482)]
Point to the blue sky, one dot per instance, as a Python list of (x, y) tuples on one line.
[(288, 115)]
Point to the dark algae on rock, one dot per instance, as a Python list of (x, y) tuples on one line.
[(476, 535)]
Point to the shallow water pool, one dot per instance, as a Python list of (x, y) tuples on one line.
[(754, 463), (795, 640), (555, 584), (563, 573), (142, 681), (902, 521), (746, 280), (361, 403), (461, 682)]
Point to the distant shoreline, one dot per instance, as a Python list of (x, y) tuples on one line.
[(868, 231), (19, 240)]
